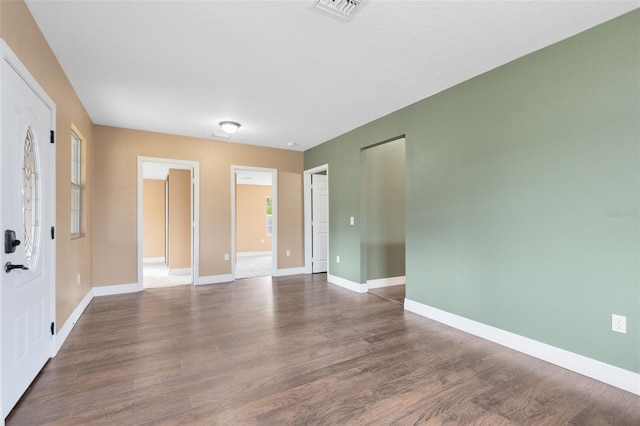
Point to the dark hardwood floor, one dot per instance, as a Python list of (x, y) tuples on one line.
[(297, 350), (393, 293)]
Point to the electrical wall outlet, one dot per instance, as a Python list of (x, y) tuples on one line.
[(78, 278), (226, 256), (619, 323), (288, 252), (337, 259)]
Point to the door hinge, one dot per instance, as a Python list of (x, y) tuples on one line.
[(53, 328), (53, 136), (53, 232)]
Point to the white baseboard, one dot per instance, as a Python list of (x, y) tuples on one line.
[(180, 271), (153, 260), (214, 279), (253, 253), (62, 334), (109, 290), (386, 282), (350, 285), (290, 271), (598, 370)]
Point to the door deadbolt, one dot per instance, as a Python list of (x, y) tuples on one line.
[(10, 241)]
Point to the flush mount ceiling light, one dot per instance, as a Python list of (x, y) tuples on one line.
[(229, 126)]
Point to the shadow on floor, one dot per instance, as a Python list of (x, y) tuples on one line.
[(394, 293)]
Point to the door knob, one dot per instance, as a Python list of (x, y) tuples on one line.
[(8, 267)]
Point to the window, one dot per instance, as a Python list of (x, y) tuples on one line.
[(269, 215), (76, 184)]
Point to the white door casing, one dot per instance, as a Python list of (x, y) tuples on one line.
[(194, 166), (28, 206), (308, 207), (319, 222), (274, 209)]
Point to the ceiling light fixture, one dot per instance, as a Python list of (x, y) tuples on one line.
[(229, 126)]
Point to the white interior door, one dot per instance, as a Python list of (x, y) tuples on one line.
[(27, 209), (319, 222)]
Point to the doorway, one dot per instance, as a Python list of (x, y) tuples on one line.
[(316, 213), (168, 222), (27, 218), (254, 222), (383, 230)]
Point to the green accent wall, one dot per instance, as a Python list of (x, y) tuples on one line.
[(383, 232), (522, 194)]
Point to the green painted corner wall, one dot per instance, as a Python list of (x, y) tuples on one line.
[(522, 194)]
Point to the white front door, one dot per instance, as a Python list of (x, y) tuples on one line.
[(319, 222), (27, 181)]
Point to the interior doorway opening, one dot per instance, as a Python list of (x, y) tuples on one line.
[(316, 218), (254, 222), (383, 231), (167, 222)]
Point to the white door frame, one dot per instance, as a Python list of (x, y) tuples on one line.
[(195, 213), (308, 249), (274, 214), (49, 214)]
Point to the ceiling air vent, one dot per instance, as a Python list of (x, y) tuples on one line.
[(339, 9)]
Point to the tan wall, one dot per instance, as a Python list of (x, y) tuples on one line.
[(107, 254), (73, 257), (251, 218), (115, 210), (179, 219), (153, 216)]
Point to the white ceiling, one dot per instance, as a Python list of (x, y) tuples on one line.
[(288, 74)]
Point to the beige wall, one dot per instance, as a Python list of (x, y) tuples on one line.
[(179, 219), (251, 218), (107, 254), (116, 152), (153, 214), (73, 257)]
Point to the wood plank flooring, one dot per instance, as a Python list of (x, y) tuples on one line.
[(394, 293), (297, 350)]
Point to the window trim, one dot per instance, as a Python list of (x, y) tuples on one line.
[(76, 185), (269, 219)]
